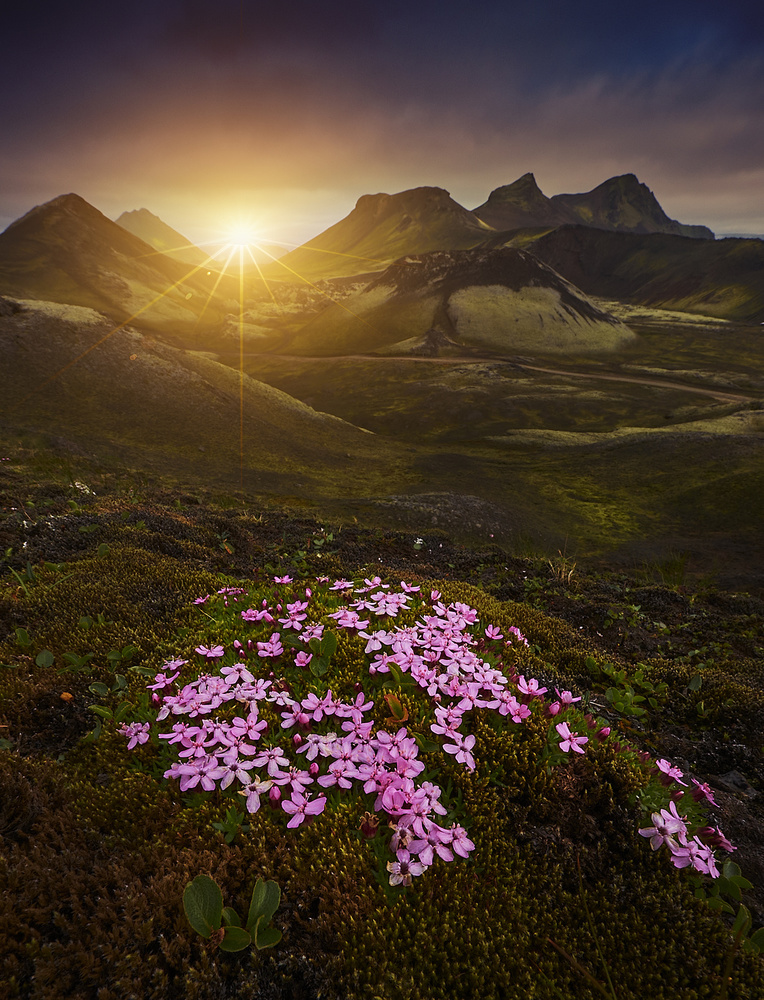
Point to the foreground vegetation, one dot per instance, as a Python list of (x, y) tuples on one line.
[(558, 895)]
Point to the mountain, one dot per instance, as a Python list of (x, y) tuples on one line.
[(67, 251), (158, 234), (152, 230), (522, 204), (499, 301), (620, 204), (382, 228), (723, 278)]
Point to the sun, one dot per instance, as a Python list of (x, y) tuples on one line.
[(242, 234)]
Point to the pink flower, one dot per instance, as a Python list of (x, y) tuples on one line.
[(255, 788), (282, 579), (137, 732), (666, 824), (702, 792), (530, 687), (402, 870), (212, 653), (566, 697), (669, 773), (300, 807), (570, 741), (461, 749)]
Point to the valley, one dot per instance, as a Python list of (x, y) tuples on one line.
[(597, 389)]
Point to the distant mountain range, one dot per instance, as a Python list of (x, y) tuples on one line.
[(613, 242), (620, 204), (383, 227)]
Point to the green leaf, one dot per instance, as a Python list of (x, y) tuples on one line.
[(315, 646), (267, 937), (742, 920), (319, 666), (730, 869), (235, 939), (266, 897), (328, 644), (695, 683), (22, 638), (102, 710), (103, 550), (203, 903), (741, 882), (123, 710), (99, 688), (757, 938), (45, 658), (230, 916)]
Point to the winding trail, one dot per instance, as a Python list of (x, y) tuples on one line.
[(719, 394)]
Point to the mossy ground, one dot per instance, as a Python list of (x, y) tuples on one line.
[(96, 848)]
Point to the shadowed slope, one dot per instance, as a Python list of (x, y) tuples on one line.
[(723, 278), (140, 402)]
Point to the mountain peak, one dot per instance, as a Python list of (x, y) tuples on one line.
[(625, 204)]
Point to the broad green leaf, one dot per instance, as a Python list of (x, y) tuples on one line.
[(328, 644), (230, 916), (103, 550), (235, 939), (266, 897), (319, 666), (695, 683), (45, 658), (742, 882), (267, 937), (203, 903), (730, 869), (99, 688), (315, 646)]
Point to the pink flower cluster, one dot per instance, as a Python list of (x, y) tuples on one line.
[(438, 653), (671, 829), (220, 735)]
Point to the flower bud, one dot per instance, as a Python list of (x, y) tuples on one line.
[(369, 825), (602, 734), (297, 739), (313, 769), (554, 708), (274, 796)]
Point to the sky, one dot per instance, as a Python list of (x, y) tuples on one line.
[(218, 113)]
